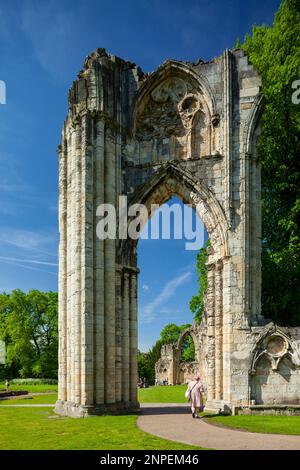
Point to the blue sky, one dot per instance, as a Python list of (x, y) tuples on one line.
[(42, 48)]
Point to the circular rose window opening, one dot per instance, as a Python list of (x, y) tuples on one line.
[(276, 345)]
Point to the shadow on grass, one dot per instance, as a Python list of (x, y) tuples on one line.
[(208, 416), (165, 410)]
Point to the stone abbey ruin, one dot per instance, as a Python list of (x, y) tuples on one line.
[(188, 130)]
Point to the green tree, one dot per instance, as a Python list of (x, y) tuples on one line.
[(171, 332), (197, 301), (29, 327), (275, 53)]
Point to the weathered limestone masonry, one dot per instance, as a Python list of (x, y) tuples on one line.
[(188, 129), (271, 363)]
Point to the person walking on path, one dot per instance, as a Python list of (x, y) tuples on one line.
[(194, 394)]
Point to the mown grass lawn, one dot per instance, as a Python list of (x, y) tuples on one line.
[(162, 394), (260, 424), (46, 398), (110, 427), (40, 428), (167, 394)]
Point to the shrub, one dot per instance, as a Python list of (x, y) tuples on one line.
[(33, 381)]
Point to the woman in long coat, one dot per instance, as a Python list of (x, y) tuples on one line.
[(196, 389)]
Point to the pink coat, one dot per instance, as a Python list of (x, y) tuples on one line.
[(197, 389)]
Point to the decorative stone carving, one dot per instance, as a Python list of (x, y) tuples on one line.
[(173, 122), (274, 345), (275, 369)]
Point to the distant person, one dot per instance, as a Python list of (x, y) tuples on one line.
[(140, 383), (194, 394), (7, 385)]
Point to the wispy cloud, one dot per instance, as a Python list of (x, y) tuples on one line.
[(31, 268), (30, 261), (26, 239), (145, 288), (149, 312)]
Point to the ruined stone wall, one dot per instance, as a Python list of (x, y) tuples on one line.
[(165, 367), (187, 129), (266, 360), (169, 366), (267, 366)]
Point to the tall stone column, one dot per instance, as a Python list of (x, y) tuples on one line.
[(76, 226), (87, 263), (210, 310), (119, 314), (62, 282), (133, 338), (98, 252), (109, 276), (218, 331), (70, 159), (227, 329), (125, 339)]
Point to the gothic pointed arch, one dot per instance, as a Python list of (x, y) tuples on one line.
[(174, 115), (184, 334), (173, 180), (253, 125)]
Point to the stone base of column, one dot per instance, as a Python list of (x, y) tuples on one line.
[(73, 410), (218, 406)]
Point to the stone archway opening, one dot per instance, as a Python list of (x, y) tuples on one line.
[(188, 362), (187, 349), (167, 281), (169, 181)]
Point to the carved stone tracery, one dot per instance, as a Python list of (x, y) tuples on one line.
[(274, 345), (175, 118)]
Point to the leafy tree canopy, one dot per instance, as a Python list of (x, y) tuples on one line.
[(197, 301), (28, 325), (275, 53)]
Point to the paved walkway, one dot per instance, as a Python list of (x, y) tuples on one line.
[(174, 422)]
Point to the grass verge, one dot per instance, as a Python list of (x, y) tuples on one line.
[(259, 424), (40, 428)]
